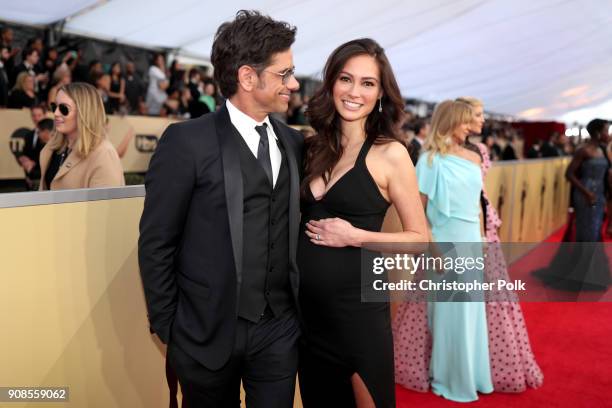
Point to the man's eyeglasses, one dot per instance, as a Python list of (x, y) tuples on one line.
[(63, 108), (285, 75)]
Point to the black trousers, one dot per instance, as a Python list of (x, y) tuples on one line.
[(265, 358)]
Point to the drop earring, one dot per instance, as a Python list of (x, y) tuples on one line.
[(379, 105)]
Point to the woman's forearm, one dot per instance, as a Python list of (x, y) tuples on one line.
[(396, 242)]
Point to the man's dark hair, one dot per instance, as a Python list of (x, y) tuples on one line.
[(251, 39), (45, 124), (418, 125), (40, 106), (95, 77), (28, 51), (193, 72), (92, 63), (595, 127), (30, 42)]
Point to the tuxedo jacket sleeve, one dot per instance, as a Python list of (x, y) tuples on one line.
[(169, 184)]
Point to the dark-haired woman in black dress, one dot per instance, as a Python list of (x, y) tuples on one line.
[(355, 167)]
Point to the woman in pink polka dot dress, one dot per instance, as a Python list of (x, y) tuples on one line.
[(513, 365)]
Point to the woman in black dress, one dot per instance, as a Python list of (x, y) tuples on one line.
[(355, 167)]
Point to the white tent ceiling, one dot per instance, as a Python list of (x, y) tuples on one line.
[(545, 59)]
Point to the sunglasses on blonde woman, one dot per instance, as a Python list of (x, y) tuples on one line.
[(63, 108)]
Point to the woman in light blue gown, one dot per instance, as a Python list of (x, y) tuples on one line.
[(450, 182)]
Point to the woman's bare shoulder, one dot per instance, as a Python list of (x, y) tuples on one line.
[(472, 156), (393, 152)]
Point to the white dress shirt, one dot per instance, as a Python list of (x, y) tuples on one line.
[(246, 127), (35, 138)]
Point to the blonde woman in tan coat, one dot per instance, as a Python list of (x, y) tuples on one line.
[(79, 155)]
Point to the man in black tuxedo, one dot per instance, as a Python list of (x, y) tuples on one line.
[(421, 128), (29, 156), (27, 151), (218, 233)]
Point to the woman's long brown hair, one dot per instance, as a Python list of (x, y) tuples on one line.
[(323, 151)]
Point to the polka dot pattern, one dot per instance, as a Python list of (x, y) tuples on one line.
[(412, 346), (513, 365)]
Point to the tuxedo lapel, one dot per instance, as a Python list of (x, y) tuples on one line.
[(294, 193), (232, 177)]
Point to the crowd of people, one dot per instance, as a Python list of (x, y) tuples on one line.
[(32, 76), (503, 141), (354, 166), (306, 207)]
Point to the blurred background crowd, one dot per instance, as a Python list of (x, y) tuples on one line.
[(134, 81)]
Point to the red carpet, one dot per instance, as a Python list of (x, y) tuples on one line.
[(572, 343)]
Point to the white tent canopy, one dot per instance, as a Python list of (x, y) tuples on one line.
[(545, 59)]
